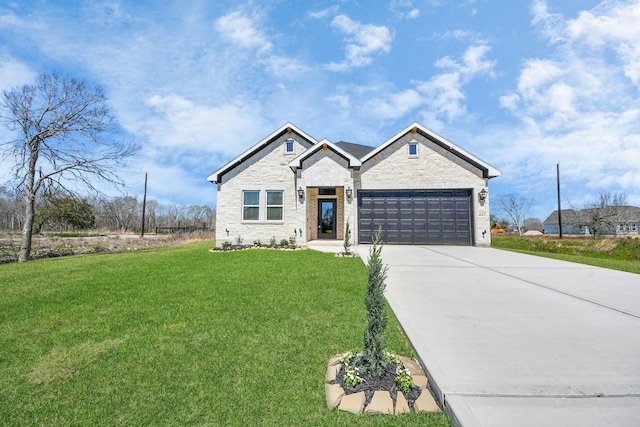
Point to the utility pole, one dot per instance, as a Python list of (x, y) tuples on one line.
[(559, 205), (144, 205)]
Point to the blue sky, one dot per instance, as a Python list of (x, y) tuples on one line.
[(521, 84)]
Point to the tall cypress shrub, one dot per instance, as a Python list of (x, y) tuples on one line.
[(374, 360)]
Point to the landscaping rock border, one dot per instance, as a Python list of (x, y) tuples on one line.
[(381, 402)]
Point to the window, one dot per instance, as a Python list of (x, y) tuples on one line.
[(288, 146), (327, 191), (413, 149), (274, 205), (250, 205)]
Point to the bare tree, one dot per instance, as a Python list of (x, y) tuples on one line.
[(533, 224), (516, 208), (152, 207), (196, 214), (601, 216), (120, 213), (59, 123), (11, 209), (175, 214)]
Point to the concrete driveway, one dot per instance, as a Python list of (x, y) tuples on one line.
[(516, 340)]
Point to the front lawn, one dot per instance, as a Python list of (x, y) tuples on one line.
[(180, 336), (617, 254)]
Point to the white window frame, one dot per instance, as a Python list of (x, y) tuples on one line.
[(244, 205), (281, 206), (293, 146), (412, 143)]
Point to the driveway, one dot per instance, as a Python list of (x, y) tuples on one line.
[(516, 340)]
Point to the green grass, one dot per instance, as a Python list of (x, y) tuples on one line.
[(182, 336), (615, 254)]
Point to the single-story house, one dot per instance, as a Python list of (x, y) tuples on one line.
[(418, 186), (625, 222)]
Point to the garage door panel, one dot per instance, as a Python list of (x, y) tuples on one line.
[(416, 217)]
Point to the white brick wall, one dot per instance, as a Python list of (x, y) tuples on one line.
[(266, 170)]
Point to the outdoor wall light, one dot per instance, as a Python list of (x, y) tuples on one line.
[(349, 192), (300, 193), (482, 195)]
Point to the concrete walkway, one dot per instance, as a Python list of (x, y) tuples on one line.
[(516, 340)]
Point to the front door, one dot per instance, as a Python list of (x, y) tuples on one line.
[(327, 219)]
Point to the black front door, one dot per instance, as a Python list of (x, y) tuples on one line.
[(327, 219)]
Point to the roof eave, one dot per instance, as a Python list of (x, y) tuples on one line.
[(352, 161), (216, 177)]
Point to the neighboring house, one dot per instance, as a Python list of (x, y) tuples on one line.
[(626, 222), (421, 188)]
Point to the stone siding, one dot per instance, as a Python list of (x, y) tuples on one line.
[(327, 169), (267, 169)]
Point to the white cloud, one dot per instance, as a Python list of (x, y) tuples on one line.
[(180, 124), (14, 73), (580, 105), (324, 13), (442, 97), (394, 106), (444, 92), (617, 28), (552, 25), (240, 29), (363, 41), (285, 67), (404, 9)]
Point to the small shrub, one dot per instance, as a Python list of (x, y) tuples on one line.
[(404, 380), (272, 242), (352, 376), (292, 242), (347, 239), (351, 373), (238, 240), (257, 243), (226, 246), (284, 243)]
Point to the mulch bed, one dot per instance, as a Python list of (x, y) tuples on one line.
[(370, 385)]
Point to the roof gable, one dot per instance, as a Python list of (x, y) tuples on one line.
[(489, 171), (324, 144), (216, 176)]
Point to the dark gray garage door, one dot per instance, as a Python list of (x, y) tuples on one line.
[(415, 217)]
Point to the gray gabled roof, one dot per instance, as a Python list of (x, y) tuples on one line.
[(553, 217), (356, 150)]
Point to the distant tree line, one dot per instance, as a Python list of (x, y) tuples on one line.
[(65, 212)]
